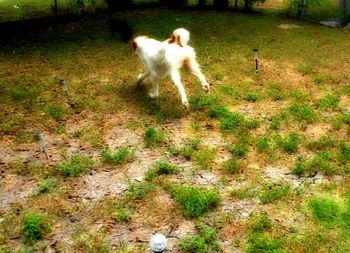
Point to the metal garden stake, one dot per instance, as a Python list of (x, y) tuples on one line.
[(65, 90), (256, 58), (42, 144)]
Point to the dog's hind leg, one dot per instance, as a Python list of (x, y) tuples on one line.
[(155, 91), (193, 67), (142, 77), (175, 77)]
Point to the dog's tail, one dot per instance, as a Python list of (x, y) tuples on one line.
[(180, 36)]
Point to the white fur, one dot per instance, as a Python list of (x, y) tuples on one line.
[(167, 58)]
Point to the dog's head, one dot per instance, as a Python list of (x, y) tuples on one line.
[(137, 42)]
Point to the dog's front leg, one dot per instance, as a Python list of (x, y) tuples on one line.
[(142, 77), (175, 77), (155, 92)]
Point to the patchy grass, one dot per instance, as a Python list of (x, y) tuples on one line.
[(204, 157), (120, 156), (76, 166), (194, 201), (271, 193), (35, 226), (162, 167), (154, 137), (204, 241), (297, 106)]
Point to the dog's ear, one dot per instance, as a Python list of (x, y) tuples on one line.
[(171, 39), (134, 45), (178, 40)]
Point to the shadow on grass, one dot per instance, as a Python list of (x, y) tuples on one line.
[(163, 108)]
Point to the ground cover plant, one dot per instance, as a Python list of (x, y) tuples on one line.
[(269, 149)]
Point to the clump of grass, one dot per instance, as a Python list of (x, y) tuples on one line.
[(205, 241), (204, 157), (321, 79), (231, 166), (259, 242), (154, 137), (19, 94), (344, 155), (290, 144), (302, 112), (276, 123), (252, 97), (47, 185), (122, 215), (25, 137), (266, 144), (218, 111), (35, 226), (162, 167), (188, 149), (120, 156), (243, 193), (56, 112), (300, 166), (324, 209), (323, 161), (251, 124), (324, 142), (272, 193), (305, 70), (202, 101), (261, 224), (276, 92), (194, 201), (78, 164), (95, 241), (238, 150), (138, 191), (329, 102), (259, 239), (231, 121)]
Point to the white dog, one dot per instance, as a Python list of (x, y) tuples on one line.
[(167, 58)]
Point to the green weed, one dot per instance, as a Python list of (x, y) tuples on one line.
[(195, 201), (324, 209), (120, 156), (35, 226), (154, 137), (205, 241), (329, 102), (276, 92), (162, 167), (272, 193), (231, 166), (276, 123), (302, 112), (56, 112), (204, 157), (138, 191), (246, 193), (78, 164), (323, 143), (252, 97), (47, 185), (238, 150), (290, 144), (202, 101)]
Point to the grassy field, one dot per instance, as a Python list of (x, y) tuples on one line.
[(259, 164)]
